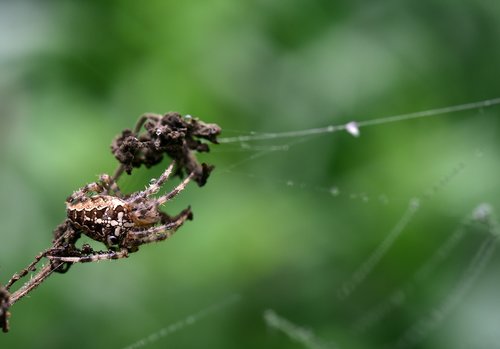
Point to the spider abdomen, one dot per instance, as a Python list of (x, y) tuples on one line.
[(101, 217)]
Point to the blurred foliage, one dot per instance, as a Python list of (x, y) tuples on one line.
[(73, 74)]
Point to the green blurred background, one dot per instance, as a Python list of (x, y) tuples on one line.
[(283, 229)]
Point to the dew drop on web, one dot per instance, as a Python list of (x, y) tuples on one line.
[(334, 191), (352, 128)]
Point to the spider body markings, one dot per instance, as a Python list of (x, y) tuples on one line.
[(103, 218), (121, 222)]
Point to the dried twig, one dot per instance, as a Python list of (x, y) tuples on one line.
[(170, 134), (4, 309)]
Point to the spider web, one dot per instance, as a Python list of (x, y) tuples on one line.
[(422, 328), (364, 272)]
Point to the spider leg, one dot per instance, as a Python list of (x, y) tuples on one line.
[(158, 233), (162, 199), (65, 238), (25, 271), (155, 186), (94, 257), (81, 193), (106, 185), (110, 185), (65, 234), (31, 267)]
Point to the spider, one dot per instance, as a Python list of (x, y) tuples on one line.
[(122, 222)]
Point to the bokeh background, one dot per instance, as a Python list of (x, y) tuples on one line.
[(282, 227)]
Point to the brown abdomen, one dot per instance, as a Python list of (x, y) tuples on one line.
[(100, 216)]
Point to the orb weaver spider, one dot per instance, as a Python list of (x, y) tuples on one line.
[(122, 222)]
